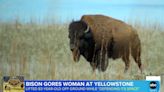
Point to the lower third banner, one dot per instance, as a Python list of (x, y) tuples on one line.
[(91, 85)]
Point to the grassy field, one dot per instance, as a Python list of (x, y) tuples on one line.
[(39, 51)]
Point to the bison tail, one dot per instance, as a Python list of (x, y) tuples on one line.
[(136, 51)]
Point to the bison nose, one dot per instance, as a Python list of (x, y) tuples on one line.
[(72, 47)]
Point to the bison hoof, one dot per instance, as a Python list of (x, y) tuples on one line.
[(126, 69), (102, 69)]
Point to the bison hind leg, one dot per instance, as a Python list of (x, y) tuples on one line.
[(136, 54), (137, 59)]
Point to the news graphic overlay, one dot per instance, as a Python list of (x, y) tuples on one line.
[(154, 83), (91, 86), (13, 84)]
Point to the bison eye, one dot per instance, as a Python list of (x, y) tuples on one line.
[(81, 37)]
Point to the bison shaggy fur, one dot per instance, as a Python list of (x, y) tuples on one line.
[(99, 37)]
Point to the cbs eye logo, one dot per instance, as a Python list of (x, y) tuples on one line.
[(153, 85)]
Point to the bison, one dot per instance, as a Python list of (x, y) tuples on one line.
[(99, 37)]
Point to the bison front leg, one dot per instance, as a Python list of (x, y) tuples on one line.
[(102, 60), (95, 61), (93, 65)]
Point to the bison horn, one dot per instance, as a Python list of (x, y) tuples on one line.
[(87, 30)]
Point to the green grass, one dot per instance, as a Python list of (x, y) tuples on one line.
[(42, 52)]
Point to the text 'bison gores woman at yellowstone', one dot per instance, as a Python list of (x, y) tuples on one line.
[(98, 37)]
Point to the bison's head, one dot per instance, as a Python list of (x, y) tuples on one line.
[(77, 33)]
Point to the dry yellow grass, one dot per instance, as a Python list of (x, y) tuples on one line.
[(42, 52)]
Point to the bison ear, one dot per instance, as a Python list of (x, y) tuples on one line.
[(87, 30)]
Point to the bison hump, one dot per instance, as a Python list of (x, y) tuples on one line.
[(104, 27)]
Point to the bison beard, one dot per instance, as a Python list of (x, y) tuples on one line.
[(105, 38), (76, 54)]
